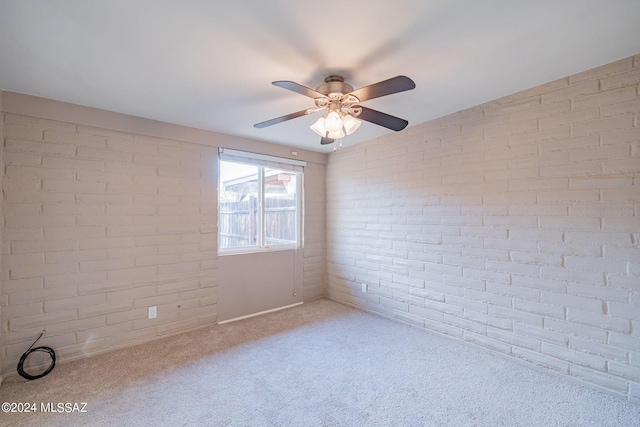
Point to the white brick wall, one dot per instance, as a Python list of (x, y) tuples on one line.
[(101, 224), (2, 248), (512, 225), (314, 231), (99, 227)]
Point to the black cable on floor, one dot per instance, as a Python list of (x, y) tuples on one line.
[(30, 350)]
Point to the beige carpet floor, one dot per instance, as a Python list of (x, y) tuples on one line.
[(319, 364)]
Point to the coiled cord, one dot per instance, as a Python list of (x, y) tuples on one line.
[(30, 350)]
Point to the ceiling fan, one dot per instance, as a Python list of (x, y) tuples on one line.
[(342, 105)]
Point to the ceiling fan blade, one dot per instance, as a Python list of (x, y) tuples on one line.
[(382, 119), (325, 141), (384, 88), (298, 88), (281, 119)]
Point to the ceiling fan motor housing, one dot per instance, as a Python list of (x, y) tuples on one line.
[(334, 85)]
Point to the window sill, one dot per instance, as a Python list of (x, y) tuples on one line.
[(258, 250)]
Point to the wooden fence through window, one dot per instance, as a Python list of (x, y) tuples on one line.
[(238, 222)]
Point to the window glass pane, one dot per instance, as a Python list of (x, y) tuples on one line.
[(238, 205), (280, 207)]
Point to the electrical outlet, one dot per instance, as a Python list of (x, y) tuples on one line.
[(153, 312), (364, 287)]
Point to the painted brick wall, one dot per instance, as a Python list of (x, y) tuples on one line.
[(513, 225), (100, 225), (2, 353), (315, 247)]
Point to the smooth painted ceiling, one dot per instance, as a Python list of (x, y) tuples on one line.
[(210, 64)]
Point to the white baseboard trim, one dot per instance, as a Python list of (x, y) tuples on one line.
[(260, 313)]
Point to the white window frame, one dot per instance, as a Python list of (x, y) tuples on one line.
[(263, 162)]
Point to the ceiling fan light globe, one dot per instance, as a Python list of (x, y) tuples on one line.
[(333, 122), (336, 135), (318, 127), (351, 124)]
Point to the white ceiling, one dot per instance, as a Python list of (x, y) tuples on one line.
[(210, 64)]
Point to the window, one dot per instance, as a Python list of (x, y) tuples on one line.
[(258, 202)]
